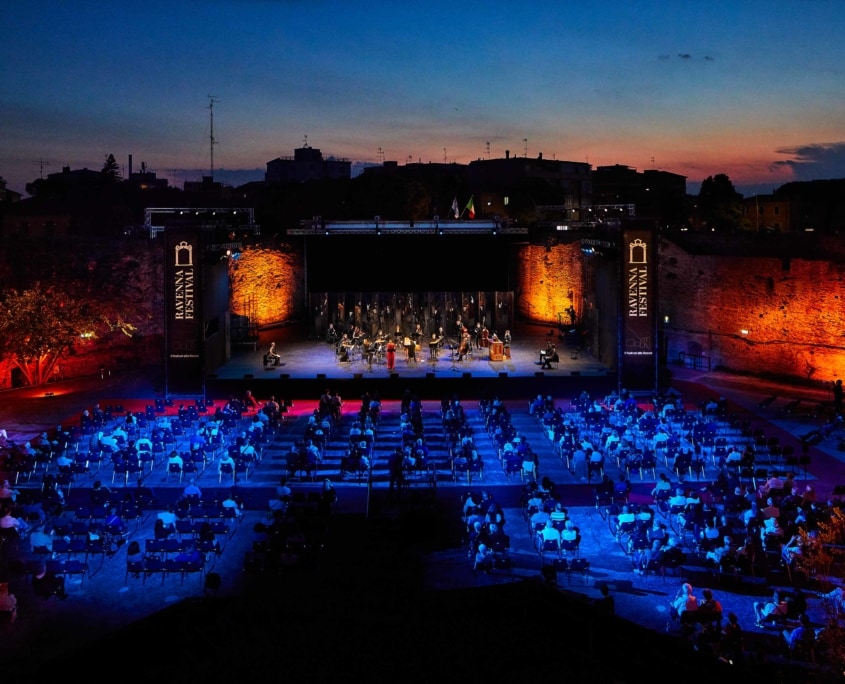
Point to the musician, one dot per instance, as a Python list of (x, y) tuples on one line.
[(550, 346), (367, 351), (391, 354), (485, 337), (331, 334), (464, 347), (506, 342), (343, 348), (549, 357), (411, 347), (417, 335), (272, 358), (434, 344)]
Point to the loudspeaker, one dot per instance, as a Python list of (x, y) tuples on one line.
[(284, 376), (321, 376), (357, 376), (394, 376), (539, 374), (248, 376), (429, 375), (503, 375), (575, 372), (466, 376)]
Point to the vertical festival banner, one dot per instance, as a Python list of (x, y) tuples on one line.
[(184, 311), (638, 362)]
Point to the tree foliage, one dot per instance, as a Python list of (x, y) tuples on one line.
[(41, 325), (822, 551), (111, 169), (720, 203)]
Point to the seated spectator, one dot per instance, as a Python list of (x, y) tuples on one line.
[(732, 644), (41, 539), (174, 459), (7, 492), (802, 639), (710, 609), (776, 608), (192, 492), (483, 559), (685, 602), (725, 552), (662, 489), (770, 511), (134, 553), (835, 599), (231, 504), (8, 602), (10, 522), (46, 584)]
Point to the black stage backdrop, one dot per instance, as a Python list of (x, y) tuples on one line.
[(414, 263)]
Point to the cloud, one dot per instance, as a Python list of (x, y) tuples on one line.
[(814, 160)]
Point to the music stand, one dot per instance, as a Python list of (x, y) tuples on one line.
[(453, 355)]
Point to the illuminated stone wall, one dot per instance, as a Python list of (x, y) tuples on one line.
[(549, 281), (268, 285), (756, 315)]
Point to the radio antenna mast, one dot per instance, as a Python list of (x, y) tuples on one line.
[(211, 140), (41, 164)]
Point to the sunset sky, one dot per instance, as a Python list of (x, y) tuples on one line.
[(754, 89)]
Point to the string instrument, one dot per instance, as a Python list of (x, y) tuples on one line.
[(485, 337), (464, 348), (435, 342)]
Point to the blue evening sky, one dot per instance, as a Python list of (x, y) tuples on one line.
[(754, 89)]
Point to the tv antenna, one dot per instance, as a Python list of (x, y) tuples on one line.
[(305, 140), (41, 164), (525, 148), (444, 155), (381, 155), (487, 147), (211, 140)]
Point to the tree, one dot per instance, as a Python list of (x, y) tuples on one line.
[(720, 203), (42, 325), (111, 169), (822, 551)]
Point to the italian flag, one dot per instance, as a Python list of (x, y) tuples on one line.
[(470, 209)]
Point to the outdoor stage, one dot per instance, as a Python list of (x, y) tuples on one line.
[(308, 366)]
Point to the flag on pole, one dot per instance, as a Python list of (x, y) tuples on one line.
[(455, 211), (470, 208)]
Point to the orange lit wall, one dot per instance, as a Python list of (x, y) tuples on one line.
[(550, 280), (268, 285), (791, 310)]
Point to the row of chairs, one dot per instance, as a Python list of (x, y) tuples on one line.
[(165, 567)]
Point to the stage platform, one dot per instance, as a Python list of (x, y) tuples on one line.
[(307, 366)]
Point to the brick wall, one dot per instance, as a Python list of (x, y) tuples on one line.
[(778, 316)]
